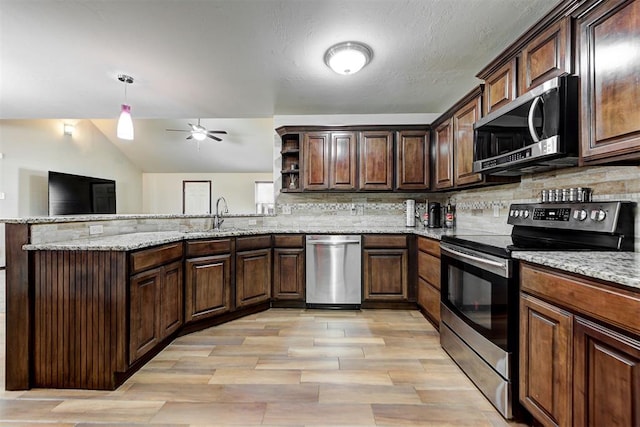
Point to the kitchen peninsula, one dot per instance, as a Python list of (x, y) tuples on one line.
[(87, 312)]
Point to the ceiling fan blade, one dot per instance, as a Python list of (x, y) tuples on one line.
[(217, 131), (190, 136), (193, 127), (214, 137), (178, 130)]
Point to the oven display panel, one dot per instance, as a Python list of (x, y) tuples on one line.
[(552, 214)]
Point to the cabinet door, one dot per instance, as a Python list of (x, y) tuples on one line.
[(385, 274), (500, 87), (342, 169), (412, 160), (606, 377), (288, 274), (208, 287), (546, 56), (253, 277), (463, 121), (444, 155), (429, 300), (144, 312), (609, 81), (316, 147), (171, 302), (545, 361), (376, 160)]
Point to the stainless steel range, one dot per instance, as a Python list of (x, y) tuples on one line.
[(480, 286)]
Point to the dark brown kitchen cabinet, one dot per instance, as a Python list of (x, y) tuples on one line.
[(253, 270), (412, 160), (376, 160), (610, 111), (574, 370), (156, 307), (463, 121), (443, 144), (385, 267), (429, 278), (316, 151), (500, 87), (208, 278), (290, 165), (545, 361), (330, 161), (207, 287), (342, 163), (548, 55), (288, 268), (606, 377)]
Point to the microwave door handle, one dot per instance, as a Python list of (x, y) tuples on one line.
[(532, 111)]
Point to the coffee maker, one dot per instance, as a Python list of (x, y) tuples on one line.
[(434, 210)]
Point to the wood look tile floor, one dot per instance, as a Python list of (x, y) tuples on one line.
[(281, 367)]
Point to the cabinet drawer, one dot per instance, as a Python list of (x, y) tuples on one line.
[(429, 245), (288, 241), (208, 247), (429, 268), (600, 301), (384, 241), (148, 258), (254, 242)]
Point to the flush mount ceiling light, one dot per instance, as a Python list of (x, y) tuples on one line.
[(68, 129), (125, 124), (348, 57)]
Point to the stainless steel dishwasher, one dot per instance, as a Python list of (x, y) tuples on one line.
[(334, 271)]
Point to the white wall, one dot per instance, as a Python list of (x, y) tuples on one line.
[(162, 192)]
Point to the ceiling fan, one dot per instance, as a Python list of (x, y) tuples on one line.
[(199, 132)]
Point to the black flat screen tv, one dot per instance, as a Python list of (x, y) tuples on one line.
[(78, 195)]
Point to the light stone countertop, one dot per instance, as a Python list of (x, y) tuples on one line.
[(618, 267), (140, 240)]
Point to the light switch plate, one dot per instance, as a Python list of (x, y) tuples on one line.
[(496, 210), (286, 210)]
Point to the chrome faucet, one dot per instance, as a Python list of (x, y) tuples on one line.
[(217, 219)]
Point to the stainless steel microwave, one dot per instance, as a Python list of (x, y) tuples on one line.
[(536, 131)]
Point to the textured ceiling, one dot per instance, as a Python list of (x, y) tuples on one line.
[(246, 58)]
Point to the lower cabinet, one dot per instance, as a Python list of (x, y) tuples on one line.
[(385, 265), (573, 370), (156, 307), (207, 287), (429, 278), (288, 268), (253, 270)]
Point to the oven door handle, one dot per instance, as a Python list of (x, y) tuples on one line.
[(495, 266)]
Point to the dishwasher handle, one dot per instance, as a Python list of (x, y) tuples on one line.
[(333, 242)]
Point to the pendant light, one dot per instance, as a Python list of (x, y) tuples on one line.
[(125, 124), (348, 57)]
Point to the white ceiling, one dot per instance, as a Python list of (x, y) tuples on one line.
[(238, 59)]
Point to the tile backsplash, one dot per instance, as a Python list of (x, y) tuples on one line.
[(483, 208)]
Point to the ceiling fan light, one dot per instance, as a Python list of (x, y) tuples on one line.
[(125, 124), (199, 136), (348, 57)]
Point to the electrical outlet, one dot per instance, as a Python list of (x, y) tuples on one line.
[(95, 229), (252, 222), (496, 210), (286, 210)]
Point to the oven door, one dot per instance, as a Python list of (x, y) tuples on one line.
[(476, 288)]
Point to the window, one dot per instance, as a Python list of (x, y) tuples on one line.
[(265, 200)]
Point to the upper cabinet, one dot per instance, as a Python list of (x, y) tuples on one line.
[(546, 56), (500, 87), (376, 160), (443, 155), (412, 160), (463, 121), (610, 112), (355, 158)]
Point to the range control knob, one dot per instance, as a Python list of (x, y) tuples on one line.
[(525, 214), (598, 215), (516, 213), (580, 215)]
